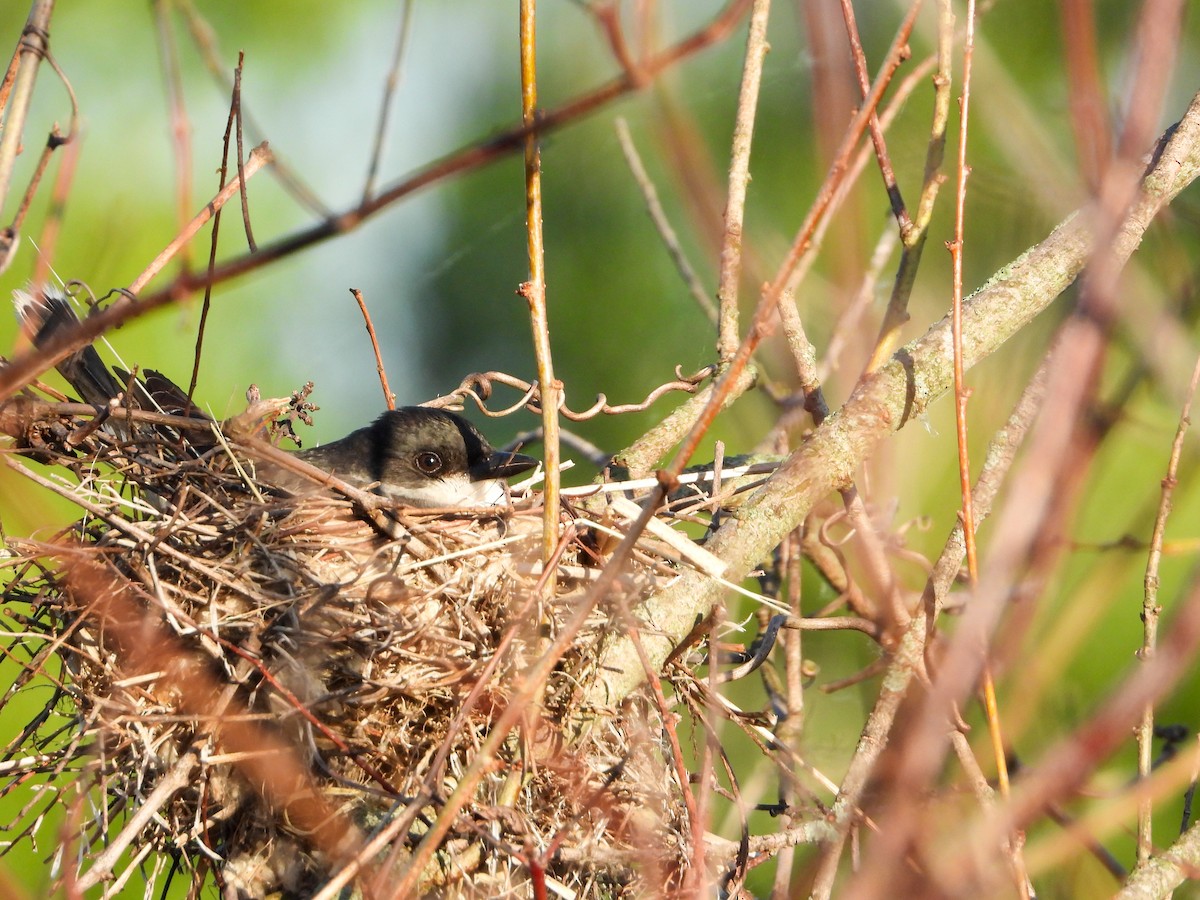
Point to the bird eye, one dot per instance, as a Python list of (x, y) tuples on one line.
[(429, 462)]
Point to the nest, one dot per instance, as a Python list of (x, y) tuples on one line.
[(277, 693)]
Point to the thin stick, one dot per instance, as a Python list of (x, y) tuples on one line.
[(739, 180), (26, 367), (988, 687), (697, 802), (896, 315), (877, 139), (389, 92), (251, 244), (661, 223), (534, 290), (10, 77), (388, 397), (259, 157), (52, 225), (897, 53), (11, 235), (1090, 123), (790, 729), (53, 142), (955, 246), (1150, 614), (608, 18), (34, 42), (206, 304)]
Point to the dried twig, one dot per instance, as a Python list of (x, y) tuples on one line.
[(1151, 610), (391, 82), (661, 223), (388, 397), (534, 290), (739, 179)]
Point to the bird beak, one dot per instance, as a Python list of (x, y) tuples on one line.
[(502, 464)]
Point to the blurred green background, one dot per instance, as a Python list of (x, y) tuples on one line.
[(440, 269)]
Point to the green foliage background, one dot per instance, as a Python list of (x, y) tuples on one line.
[(440, 269)]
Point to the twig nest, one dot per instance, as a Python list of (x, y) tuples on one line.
[(250, 669)]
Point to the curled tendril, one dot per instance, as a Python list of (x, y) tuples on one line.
[(478, 387)]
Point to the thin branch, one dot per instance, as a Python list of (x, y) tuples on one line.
[(251, 244), (52, 224), (1151, 610), (35, 40), (53, 142), (896, 314), (877, 139), (388, 397), (25, 368), (898, 392), (661, 223), (967, 514), (181, 129), (608, 19), (908, 661), (391, 82), (896, 55), (534, 290), (739, 180), (1090, 123), (214, 236)]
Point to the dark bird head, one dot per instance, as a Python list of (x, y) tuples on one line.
[(422, 457)]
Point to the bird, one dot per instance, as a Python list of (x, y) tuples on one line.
[(44, 313), (417, 456)]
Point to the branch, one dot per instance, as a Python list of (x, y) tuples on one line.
[(900, 391)]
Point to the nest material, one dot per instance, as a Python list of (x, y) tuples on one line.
[(247, 669)]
